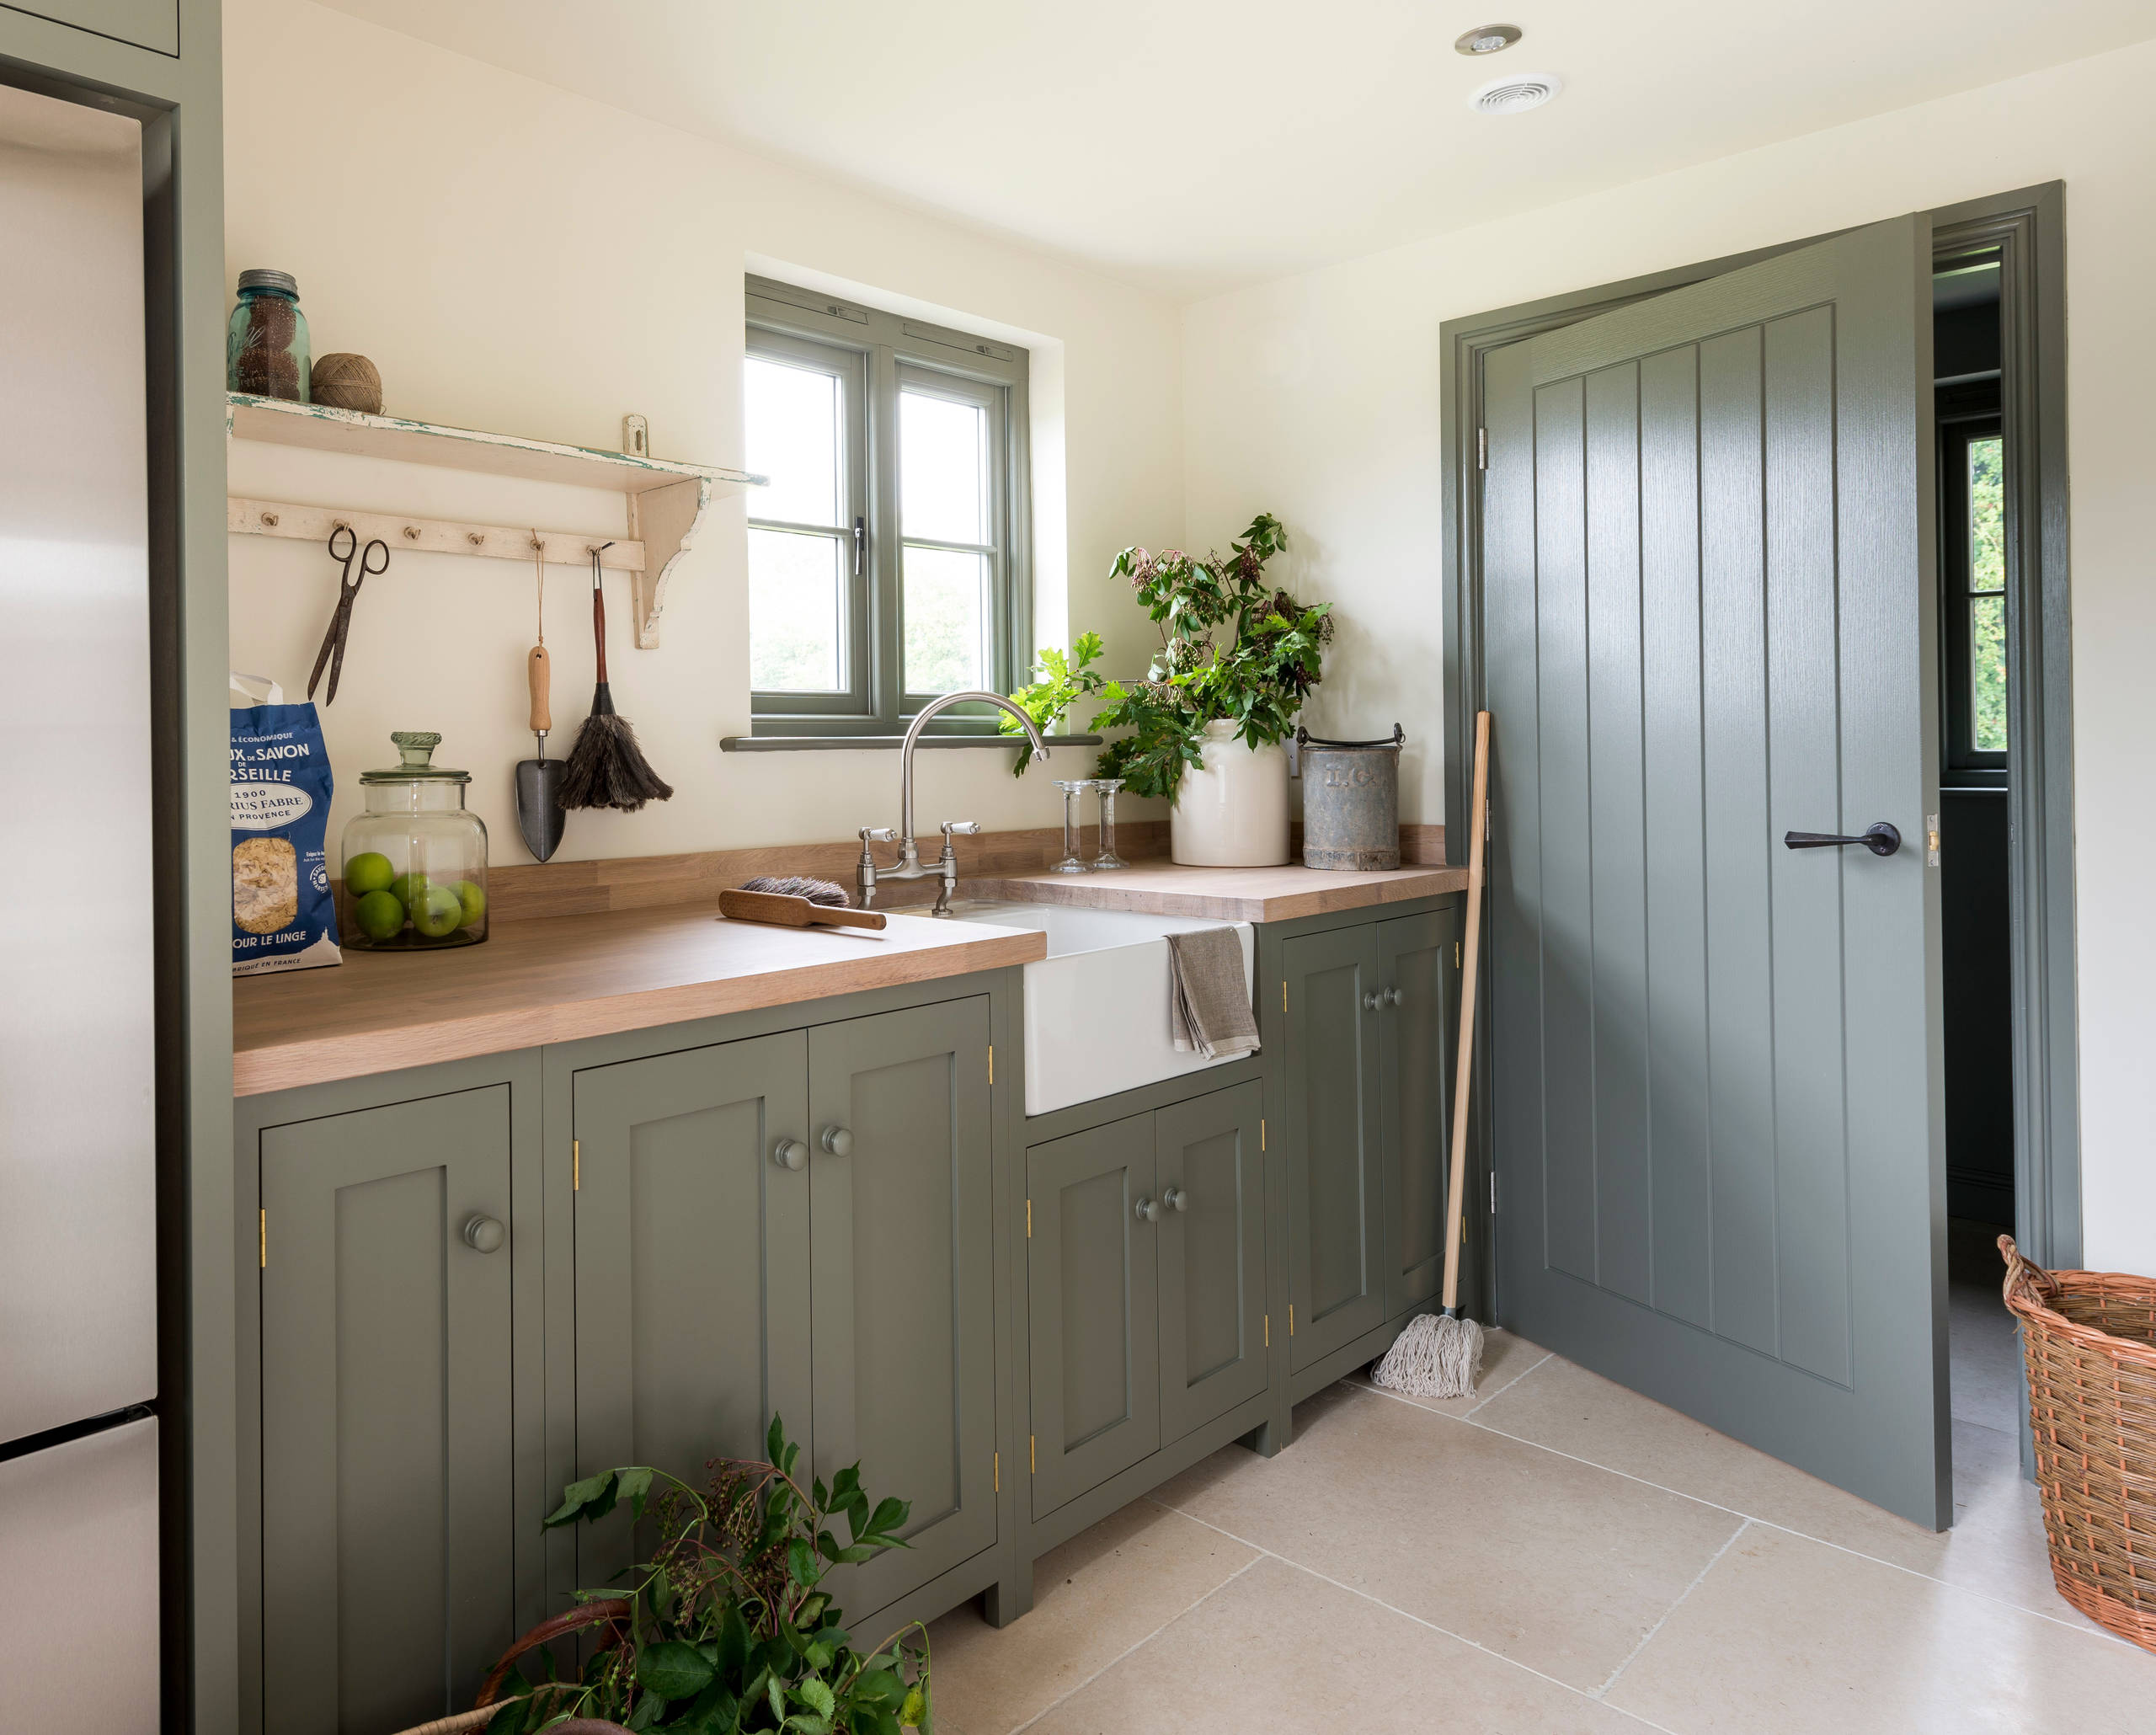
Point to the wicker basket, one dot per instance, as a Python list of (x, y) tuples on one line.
[(2089, 1337)]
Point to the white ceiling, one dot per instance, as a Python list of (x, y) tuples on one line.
[(1193, 145)]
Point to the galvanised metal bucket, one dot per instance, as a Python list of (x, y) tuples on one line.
[(1351, 801)]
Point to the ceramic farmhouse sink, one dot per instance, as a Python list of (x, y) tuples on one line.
[(1097, 1007)]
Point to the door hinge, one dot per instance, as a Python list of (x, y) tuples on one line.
[(265, 1240), (1488, 831), (1481, 448), (1029, 1220), (1033, 1455), (991, 1063), (1931, 840), (1455, 954), (1291, 1319), (1283, 995), (999, 1472), (1493, 1193), (576, 1165), (1268, 1330), (1261, 1132)]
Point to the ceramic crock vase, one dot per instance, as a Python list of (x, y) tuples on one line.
[(1232, 811)]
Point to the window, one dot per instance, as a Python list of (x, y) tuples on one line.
[(1973, 569), (887, 559)]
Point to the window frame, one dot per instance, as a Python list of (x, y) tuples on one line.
[(788, 323), (1966, 411)]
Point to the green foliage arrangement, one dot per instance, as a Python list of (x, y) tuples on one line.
[(1232, 649), (725, 1630)]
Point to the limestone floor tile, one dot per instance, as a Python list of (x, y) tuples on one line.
[(1505, 1357), (1985, 1345), (1093, 1598), (1558, 1564), (1279, 1651), (1996, 1546), (1788, 1634)]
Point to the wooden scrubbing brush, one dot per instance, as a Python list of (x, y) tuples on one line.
[(607, 768)]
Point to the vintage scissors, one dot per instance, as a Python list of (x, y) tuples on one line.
[(348, 589)]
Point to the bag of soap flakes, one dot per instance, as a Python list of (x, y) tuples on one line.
[(284, 916)]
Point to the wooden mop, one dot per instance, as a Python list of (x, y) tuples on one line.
[(1440, 1355)]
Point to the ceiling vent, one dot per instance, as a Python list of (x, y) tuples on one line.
[(1516, 94)]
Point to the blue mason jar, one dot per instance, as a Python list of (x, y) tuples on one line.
[(267, 350)]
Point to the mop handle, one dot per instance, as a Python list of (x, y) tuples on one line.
[(1470, 953)]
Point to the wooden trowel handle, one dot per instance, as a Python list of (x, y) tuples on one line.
[(537, 668), (794, 912)]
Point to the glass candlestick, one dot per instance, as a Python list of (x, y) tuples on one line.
[(1072, 862), (1108, 856)]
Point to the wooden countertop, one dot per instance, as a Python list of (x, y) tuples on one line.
[(1223, 893), (558, 978)]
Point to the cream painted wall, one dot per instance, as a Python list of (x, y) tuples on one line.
[(1317, 397), (518, 258)]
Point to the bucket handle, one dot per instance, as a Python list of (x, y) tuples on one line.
[(1304, 738)]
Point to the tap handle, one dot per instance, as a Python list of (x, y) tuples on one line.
[(878, 833), (961, 828)]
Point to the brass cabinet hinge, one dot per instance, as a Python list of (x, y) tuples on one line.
[(1261, 1132), (1032, 1454), (991, 1063), (1268, 1330), (1481, 448), (1291, 1319), (999, 1472), (1283, 995), (576, 1165), (1029, 1220), (265, 1240), (1455, 954)]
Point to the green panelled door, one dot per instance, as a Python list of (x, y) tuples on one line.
[(1211, 1245), (904, 1262), (692, 1304), (1336, 1197), (387, 1524)]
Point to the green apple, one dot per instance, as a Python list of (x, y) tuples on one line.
[(437, 913), (408, 889), (473, 897), (380, 915), (370, 873)]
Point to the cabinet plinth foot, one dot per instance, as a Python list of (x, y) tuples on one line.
[(1010, 1597)]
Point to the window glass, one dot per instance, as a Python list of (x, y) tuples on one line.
[(796, 611), (942, 470), (947, 619), (1987, 481), (792, 417)]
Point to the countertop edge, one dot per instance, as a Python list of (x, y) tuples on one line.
[(258, 1071), (1093, 892)]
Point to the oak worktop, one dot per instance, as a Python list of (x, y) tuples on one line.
[(557, 979), (1223, 893)]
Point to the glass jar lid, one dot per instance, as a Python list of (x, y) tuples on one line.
[(415, 747), (283, 282)]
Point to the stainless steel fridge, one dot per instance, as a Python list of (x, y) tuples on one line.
[(79, 1612)]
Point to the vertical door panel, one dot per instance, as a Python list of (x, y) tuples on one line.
[(1091, 1289), (904, 1274), (1335, 1247), (692, 1304), (1416, 1048), (1212, 1257), (387, 1526), (1716, 1060)]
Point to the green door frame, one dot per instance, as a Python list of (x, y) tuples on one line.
[(2028, 227)]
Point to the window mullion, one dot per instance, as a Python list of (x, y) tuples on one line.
[(887, 554)]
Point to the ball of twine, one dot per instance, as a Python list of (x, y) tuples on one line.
[(346, 382)]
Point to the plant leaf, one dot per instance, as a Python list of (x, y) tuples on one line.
[(733, 1660), (817, 1695), (914, 1710), (632, 1485), (801, 1563), (578, 1495), (673, 1670), (891, 1512)]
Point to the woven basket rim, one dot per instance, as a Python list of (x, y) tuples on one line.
[(2026, 1282)]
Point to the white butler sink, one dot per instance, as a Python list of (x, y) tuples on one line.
[(1097, 1007)]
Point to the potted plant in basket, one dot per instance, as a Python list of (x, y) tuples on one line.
[(1237, 659), (725, 1630)]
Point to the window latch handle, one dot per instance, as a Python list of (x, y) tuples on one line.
[(860, 547)]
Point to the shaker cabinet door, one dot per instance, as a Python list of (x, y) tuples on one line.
[(904, 1275), (1335, 1196), (1212, 1256), (388, 1525), (1091, 1279), (1416, 973), (692, 1270)]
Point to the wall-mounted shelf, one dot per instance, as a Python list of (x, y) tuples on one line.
[(666, 499)]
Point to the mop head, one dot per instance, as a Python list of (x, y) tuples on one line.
[(607, 768), (1435, 1357)]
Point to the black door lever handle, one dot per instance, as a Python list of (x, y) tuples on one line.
[(1881, 840)]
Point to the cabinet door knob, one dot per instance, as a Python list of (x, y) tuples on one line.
[(1394, 996), (484, 1233), (790, 1154), (1149, 1209), (838, 1141), (1374, 1001), (1176, 1199)]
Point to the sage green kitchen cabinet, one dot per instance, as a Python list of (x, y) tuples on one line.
[(691, 1264), (389, 1526), (1418, 974), (902, 1272), (146, 23), (1330, 1090), (1211, 1247), (1093, 1294)]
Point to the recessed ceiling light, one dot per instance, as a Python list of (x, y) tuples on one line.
[(1515, 95), (1488, 39)]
